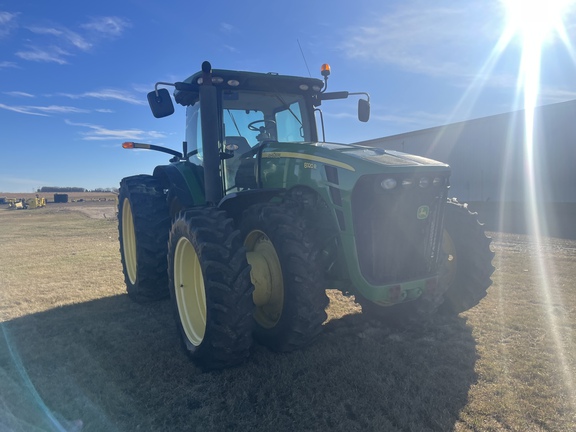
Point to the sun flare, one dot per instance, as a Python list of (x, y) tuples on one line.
[(534, 23), (536, 20)]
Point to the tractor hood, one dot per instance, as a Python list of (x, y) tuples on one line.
[(352, 158), (380, 155)]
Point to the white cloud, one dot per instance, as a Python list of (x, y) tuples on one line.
[(19, 94), (6, 18), (104, 110), (64, 34), (7, 22), (101, 133), (231, 48), (107, 26), (51, 54), (59, 109), (226, 28), (57, 43), (439, 38), (7, 64), (108, 94), (115, 95), (22, 110), (43, 110)]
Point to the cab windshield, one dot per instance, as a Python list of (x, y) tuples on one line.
[(250, 117), (261, 116)]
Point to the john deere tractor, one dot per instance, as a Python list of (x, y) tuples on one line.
[(256, 217)]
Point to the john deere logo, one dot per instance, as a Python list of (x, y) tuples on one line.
[(423, 212)]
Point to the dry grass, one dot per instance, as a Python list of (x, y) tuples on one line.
[(74, 351)]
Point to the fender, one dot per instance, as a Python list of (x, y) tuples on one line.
[(235, 203), (184, 183)]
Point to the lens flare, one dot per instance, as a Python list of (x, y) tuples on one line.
[(534, 23), (536, 20)]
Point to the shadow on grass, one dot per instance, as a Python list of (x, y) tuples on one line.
[(111, 364)]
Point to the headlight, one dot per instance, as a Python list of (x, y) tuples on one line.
[(424, 182), (408, 183), (388, 183), (437, 181)]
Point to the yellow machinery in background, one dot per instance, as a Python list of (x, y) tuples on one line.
[(30, 203)]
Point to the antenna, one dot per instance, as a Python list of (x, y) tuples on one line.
[(305, 62)]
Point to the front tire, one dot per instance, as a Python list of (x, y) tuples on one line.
[(468, 268), (210, 288), (143, 225), (289, 284)]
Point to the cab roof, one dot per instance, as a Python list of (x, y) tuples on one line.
[(240, 80)]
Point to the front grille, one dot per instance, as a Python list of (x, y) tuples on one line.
[(394, 241)]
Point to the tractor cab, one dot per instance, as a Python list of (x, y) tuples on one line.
[(246, 119), (251, 108)]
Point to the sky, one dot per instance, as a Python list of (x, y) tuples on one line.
[(74, 75)]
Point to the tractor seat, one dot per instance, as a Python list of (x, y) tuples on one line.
[(239, 169), (240, 142)]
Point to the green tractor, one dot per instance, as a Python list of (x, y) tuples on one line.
[(256, 217)]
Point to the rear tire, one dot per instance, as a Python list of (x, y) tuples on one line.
[(210, 288), (143, 225), (467, 271), (289, 294)]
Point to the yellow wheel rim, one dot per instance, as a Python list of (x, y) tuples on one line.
[(129, 241), (266, 275), (190, 291), (450, 267)]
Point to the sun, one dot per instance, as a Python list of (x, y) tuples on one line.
[(535, 21)]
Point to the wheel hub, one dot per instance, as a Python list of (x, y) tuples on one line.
[(266, 275), (189, 291), (129, 240)]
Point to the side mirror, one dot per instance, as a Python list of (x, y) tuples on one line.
[(160, 103), (363, 110)]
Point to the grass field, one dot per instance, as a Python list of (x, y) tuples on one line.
[(77, 354)]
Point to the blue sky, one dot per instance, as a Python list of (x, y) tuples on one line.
[(74, 75)]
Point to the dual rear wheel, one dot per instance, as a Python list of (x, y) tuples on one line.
[(221, 302), (143, 224)]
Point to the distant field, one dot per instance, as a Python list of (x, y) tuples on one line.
[(77, 354), (72, 196)]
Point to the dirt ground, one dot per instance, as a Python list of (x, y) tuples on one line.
[(92, 209)]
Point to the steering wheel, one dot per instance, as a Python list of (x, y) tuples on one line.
[(257, 129)]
